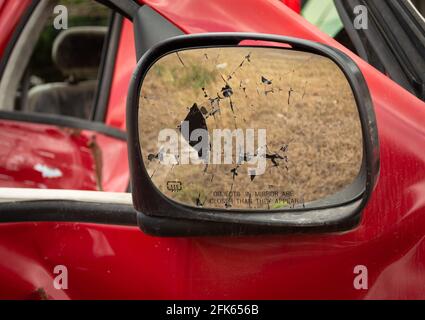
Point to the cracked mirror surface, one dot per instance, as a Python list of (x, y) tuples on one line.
[(249, 128)]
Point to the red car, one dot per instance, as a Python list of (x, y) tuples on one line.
[(68, 71)]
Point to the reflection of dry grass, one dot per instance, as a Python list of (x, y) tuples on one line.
[(196, 76), (309, 106)]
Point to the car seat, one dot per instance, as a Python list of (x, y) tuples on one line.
[(77, 53)]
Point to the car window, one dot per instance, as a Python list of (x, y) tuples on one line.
[(324, 15), (58, 70)]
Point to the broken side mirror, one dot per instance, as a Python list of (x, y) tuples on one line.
[(236, 134)]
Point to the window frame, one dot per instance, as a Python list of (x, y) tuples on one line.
[(381, 44), (107, 68), (96, 122)]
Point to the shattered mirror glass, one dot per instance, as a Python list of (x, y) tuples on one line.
[(249, 128)]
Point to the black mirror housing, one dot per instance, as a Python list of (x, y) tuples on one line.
[(160, 216)]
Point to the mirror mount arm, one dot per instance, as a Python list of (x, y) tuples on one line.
[(150, 28)]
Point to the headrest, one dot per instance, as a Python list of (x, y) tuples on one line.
[(77, 51)]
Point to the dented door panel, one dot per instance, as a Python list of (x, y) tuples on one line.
[(50, 157)]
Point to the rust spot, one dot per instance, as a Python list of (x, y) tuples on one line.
[(98, 160), (38, 295)]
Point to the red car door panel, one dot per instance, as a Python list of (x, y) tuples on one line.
[(49, 157), (42, 157), (118, 262)]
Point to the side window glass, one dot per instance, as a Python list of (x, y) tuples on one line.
[(62, 64), (324, 15)]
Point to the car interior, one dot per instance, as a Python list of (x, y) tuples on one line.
[(55, 71)]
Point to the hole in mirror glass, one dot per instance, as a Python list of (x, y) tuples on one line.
[(249, 128)]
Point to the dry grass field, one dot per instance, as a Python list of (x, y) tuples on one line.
[(314, 140)]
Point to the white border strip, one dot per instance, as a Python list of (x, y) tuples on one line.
[(20, 195)]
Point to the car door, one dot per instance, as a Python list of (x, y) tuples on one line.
[(53, 112), (120, 261)]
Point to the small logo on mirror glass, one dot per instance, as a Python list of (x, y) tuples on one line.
[(174, 186)]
